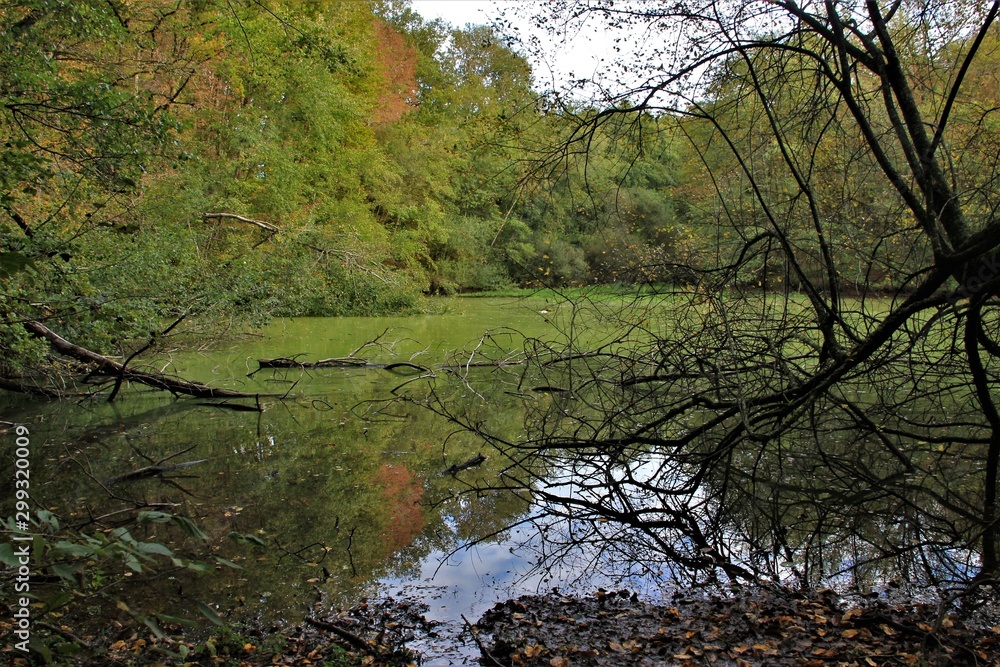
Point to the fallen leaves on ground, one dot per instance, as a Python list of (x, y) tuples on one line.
[(762, 628), (370, 634)]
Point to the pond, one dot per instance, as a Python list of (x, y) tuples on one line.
[(331, 493)]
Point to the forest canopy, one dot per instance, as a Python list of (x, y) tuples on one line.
[(235, 161)]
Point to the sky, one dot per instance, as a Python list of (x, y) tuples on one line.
[(459, 12), (576, 56)]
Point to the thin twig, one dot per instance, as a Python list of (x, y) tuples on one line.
[(482, 647)]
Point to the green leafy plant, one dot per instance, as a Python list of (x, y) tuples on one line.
[(76, 569)]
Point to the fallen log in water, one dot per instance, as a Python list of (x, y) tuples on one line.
[(236, 407), (338, 362), (292, 362), (111, 368)]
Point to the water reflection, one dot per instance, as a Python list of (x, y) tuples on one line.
[(462, 583), (309, 500), (332, 494)]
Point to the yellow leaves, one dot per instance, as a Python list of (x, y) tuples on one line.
[(534, 651), (849, 614), (849, 634), (826, 652)]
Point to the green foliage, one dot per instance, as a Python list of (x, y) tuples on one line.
[(111, 171), (88, 570)]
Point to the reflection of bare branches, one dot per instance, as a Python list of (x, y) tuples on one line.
[(817, 397), (136, 505), (350, 552), (701, 450), (297, 553), (155, 469)]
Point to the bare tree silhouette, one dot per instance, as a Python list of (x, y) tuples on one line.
[(820, 397)]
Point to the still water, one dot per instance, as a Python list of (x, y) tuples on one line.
[(332, 493)]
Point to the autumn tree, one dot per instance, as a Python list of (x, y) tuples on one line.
[(204, 163), (448, 197), (87, 98)]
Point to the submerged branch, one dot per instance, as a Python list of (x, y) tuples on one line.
[(292, 362), (149, 471), (108, 367)]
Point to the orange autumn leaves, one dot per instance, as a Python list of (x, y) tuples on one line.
[(397, 60)]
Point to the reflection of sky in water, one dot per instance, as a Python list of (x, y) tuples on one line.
[(530, 558), (472, 579)]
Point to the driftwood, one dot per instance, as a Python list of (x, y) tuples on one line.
[(548, 389), (235, 407), (108, 367), (288, 362), (394, 368), (476, 460), (149, 471), (338, 362)]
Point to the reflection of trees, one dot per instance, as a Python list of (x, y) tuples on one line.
[(307, 505), (823, 395)]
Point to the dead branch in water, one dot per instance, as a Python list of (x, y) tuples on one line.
[(110, 368)]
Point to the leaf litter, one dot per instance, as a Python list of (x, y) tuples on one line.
[(756, 628), (765, 627)]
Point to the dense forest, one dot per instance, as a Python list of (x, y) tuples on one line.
[(228, 162)]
